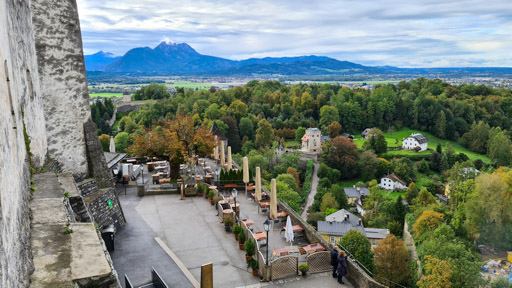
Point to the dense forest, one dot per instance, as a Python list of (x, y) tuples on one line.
[(260, 115)]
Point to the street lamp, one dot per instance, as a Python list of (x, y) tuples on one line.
[(266, 227), (234, 193)]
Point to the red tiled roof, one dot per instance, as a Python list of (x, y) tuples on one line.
[(395, 178)]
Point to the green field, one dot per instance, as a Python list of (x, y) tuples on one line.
[(432, 144), (292, 144), (188, 85), (107, 95)]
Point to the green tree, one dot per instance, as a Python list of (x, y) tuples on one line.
[(411, 193), (328, 114), (213, 112), (424, 198), (288, 180), (232, 134), (299, 133), (441, 125), (500, 150), (264, 134), (122, 140), (247, 128), (328, 202), (359, 246), (376, 141), (238, 109), (369, 165)]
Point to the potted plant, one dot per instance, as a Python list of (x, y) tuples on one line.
[(249, 249), (210, 197), (303, 268), (236, 231), (200, 189), (254, 265), (241, 239), (206, 189), (228, 222)]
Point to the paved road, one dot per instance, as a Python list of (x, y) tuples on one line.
[(136, 251), (312, 193), (409, 244)]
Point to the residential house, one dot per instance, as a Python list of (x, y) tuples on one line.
[(355, 196), (416, 142), (349, 136), (339, 223), (392, 182), (311, 141), (365, 133)]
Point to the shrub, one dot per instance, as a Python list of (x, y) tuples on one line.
[(237, 229), (253, 264), (303, 267), (228, 221), (200, 188), (249, 247), (241, 237)]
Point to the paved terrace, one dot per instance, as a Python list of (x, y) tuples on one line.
[(194, 232)]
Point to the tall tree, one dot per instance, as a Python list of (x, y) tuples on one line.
[(334, 129), (233, 136), (437, 274), (359, 246), (328, 114), (247, 128), (175, 140), (341, 153), (264, 134), (500, 149), (392, 260)]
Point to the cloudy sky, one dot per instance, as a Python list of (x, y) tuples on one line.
[(404, 33)]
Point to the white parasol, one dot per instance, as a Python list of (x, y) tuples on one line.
[(289, 230)]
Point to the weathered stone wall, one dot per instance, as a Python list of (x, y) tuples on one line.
[(63, 81), (17, 93), (96, 201), (98, 168)]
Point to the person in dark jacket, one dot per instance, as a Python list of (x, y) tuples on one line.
[(334, 261), (342, 266)]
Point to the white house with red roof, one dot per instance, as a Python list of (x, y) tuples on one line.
[(392, 182)]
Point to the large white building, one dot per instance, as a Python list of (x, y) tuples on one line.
[(392, 182), (415, 141), (311, 141)]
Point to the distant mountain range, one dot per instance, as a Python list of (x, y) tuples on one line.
[(181, 59), (98, 61)]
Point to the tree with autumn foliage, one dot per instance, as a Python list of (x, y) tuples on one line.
[(428, 221), (176, 140), (341, 153), (334, 129), (392, 260), (437, 274)]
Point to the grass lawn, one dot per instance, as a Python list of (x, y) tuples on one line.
[(406, 152), (108, 95), (393, 194), (432, 144), (349, 183), (292, 144)]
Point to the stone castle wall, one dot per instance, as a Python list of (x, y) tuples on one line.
[(19, 91), (63, 81)]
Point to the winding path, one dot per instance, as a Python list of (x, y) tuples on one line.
[(312, 193)]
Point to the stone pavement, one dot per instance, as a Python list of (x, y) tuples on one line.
[(136, 250), (194, 233)]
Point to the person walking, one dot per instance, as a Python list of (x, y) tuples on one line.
[(342, 266), (334, 261)]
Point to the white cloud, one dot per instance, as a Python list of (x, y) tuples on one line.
[(404, 33)]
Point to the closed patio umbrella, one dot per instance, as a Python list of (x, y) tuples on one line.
[(289, 230), (257, 194), (112, 147), (222, 155), (246, 174), (230, 162), (216, 149), (273, 199)]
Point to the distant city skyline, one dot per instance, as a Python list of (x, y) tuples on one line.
[(426, 33)]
